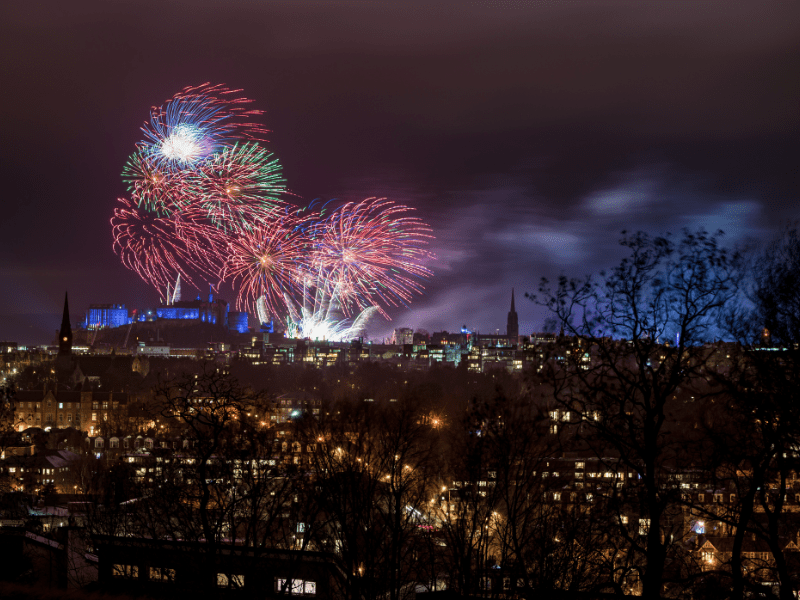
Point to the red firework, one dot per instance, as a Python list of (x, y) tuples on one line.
[(151, 246), (371, 252), (268, 261)]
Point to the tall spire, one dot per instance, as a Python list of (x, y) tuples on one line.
[(512, 325), (65, 334)]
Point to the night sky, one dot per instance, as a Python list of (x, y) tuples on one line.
[(527, 134)]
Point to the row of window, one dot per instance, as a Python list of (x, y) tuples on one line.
[(105, 405), (295, 587)]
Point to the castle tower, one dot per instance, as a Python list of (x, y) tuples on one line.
[(512, 325), (65, 334)]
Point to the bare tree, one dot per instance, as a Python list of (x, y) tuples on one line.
[(626, 397)]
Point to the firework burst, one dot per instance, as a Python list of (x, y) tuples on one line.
[(196, 123), (267, 262), (150, 245), (155, 189), (241, 186), (207, 205), (369, 253)]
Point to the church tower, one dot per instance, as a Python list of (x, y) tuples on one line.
[(512, 326), (65, 335)]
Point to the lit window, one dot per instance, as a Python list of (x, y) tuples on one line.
[(644, 526), (127, 571), (162, 574), (296, 587), (230, 581)]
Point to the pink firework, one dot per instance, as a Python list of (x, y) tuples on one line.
[(267, 262), (371, 253), (150, 246)]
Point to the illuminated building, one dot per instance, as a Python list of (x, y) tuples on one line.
[(106, 315), (212, 311)]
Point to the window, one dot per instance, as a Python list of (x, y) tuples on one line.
[(230, 581), (60, 405), (717, 497), (162, 574), (301, 527), (127, 571), (98, 443), (94, 416), (95, 406), (69, 417), (644, 526), (296, 587), (701, 498), (49, 418), (114, 443), (556, 496), (105, 405)]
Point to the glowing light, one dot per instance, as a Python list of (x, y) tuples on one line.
[(183, 144)]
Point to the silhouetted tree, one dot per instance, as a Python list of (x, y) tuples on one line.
[(624, 392)]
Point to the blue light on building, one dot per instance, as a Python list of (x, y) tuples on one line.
[(106, 315), (238, 321), (175, 312)]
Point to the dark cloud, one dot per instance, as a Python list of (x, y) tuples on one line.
[(527, 133)]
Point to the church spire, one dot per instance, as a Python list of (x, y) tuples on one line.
[(512, 325), (65, 334)]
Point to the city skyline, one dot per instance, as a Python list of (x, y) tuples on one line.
[(527, 135)]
